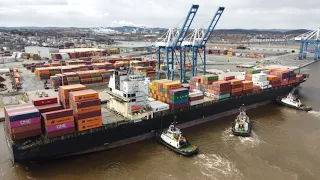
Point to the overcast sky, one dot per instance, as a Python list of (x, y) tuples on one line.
[(260, 14)]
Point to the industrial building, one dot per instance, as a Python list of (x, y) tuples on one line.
[(45, 52)]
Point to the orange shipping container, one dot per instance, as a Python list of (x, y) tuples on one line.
[(83, 95), (284, 83), (89, 120), (90, 125), (59, 120), (87, 109), (236, 90), (292, 81), (76, 87), (272, 77), (235, 81), (172, 85)]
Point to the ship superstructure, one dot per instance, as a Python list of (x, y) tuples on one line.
[(128, 93)]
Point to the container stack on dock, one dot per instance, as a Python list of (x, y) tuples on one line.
[(54, 70), (105, 74), (42, 73), (58, 123), (72, 78), (86, 107), (64, 93), (196, 98), (23, 121)]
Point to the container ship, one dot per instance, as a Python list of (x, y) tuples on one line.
[(76, 122)]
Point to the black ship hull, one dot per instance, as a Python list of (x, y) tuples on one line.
[(132, 132)]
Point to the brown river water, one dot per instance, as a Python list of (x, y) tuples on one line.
[(285, 145)]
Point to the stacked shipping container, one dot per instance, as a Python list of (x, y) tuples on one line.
[(221, 89), (58, 123), (170, 92), (196, 98), (86, 107), (64, 93), (236, 87), (23, 121)]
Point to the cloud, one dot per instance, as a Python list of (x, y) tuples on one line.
[(284, 14)]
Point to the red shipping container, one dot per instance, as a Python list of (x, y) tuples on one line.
[(26, 128), (221, 92), (227, 78), (236, 86), (57, 114), (195, 98), (247, 91), (61, 132), (179, 106), (45, 101), (49, 107), (26, 134)]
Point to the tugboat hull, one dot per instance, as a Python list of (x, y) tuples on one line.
[(303, 108), (181, 151), (241, 133)]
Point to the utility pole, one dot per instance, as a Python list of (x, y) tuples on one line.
[(39, 56)]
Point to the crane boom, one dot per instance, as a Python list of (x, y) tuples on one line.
[(185, 27), (211, 27)]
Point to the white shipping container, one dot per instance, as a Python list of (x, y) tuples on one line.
[(151, 99), (6, 70), (265, 72), (192, 103), (241, 77), (196, 94), (158, 106), (259, 77)]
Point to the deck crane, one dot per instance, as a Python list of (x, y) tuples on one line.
[(171, 41), (198, 40), (309, 41)]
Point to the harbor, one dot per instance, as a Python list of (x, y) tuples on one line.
[(222, 155), (158, 100)]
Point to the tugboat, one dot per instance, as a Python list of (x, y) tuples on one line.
[(242, 125), (173, 139), (292, 101)]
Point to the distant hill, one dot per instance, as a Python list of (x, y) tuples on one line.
[(217, 31)]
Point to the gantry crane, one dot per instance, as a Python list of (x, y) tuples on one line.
[(198, 40), (171, 41), (309, 41)]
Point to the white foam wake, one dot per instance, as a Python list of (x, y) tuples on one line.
[(252, 141), (216, 167), (314, 113)]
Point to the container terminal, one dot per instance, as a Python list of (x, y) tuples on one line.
[(92, 104)]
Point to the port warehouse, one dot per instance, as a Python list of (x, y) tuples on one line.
[(46, 52), (166, 95)]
